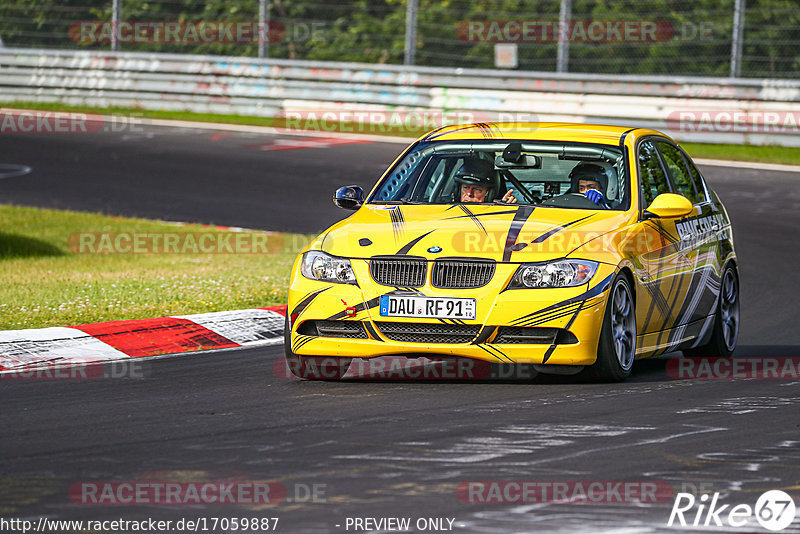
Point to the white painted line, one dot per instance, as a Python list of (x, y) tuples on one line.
[(46, 346)]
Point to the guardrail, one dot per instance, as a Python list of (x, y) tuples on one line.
[(689, 108)]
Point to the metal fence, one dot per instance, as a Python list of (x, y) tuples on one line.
[(747, 38)]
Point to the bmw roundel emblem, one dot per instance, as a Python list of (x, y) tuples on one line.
[(435, 250)]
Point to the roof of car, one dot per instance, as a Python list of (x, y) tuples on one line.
[(539, 131)]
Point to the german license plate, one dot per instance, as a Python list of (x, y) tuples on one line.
[(427, 307)]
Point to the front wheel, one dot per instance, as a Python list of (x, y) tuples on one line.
[(616, 349), (725, 333), (312, 367)]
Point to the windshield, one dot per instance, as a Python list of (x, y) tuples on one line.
[(520, 172)]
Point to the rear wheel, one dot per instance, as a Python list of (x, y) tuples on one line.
[(312, 367), (725, 333), (616, 349)]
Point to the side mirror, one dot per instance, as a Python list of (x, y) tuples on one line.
[(349, 197), (668, 206)]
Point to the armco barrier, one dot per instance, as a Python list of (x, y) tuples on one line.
[(690, 109)]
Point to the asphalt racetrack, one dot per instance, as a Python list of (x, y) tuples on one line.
[(373, 448)]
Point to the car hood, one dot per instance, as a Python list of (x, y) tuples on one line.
[(502, 233)]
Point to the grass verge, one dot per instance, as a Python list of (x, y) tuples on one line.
[(48, 278), (761, 154)]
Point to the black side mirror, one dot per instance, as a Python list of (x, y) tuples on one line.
[(349, 197)]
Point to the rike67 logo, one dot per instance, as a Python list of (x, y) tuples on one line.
[(774, 511)]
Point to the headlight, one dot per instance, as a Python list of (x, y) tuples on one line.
[(319, 266), (561, 273)]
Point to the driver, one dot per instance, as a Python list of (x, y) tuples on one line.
[(590, 180), (477, 179)]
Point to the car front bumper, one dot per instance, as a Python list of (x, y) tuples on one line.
[(578, 311)]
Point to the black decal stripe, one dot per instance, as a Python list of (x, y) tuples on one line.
[(593, 292), (566, 327), (484, 128), (458, 129), (361, 306), (307, 300), (651, 308), (484, 334), (495, 350), (430, 134), (538, 315), (523, 212), (669, 317), (371, 330), (548, 353), (300, 341), (477, 215), (664, 234), (397, 222), (564, 313), (654, 288), (408, 246), (406, 290), (656, 299), (557, 229), (485, 349), (303, 342), (472, 217)]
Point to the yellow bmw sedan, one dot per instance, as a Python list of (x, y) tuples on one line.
[(569, 247)]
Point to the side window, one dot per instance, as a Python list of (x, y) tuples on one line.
[(651, 175), (436, 179), (697, 178), (681, 179)]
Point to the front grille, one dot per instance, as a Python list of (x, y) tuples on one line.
[(349, 329), (461, 274), (534, 335), (399, 271), (428, 332)]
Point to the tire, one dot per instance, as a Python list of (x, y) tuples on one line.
[(312, 367), (616, 349), (725, 333)]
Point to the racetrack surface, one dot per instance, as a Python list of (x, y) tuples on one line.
[(384, 448)]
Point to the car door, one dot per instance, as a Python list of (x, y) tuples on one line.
[(707, 231), (662, 267), (698, 234)]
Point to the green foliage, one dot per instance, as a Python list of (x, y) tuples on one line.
[(694, 36)]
